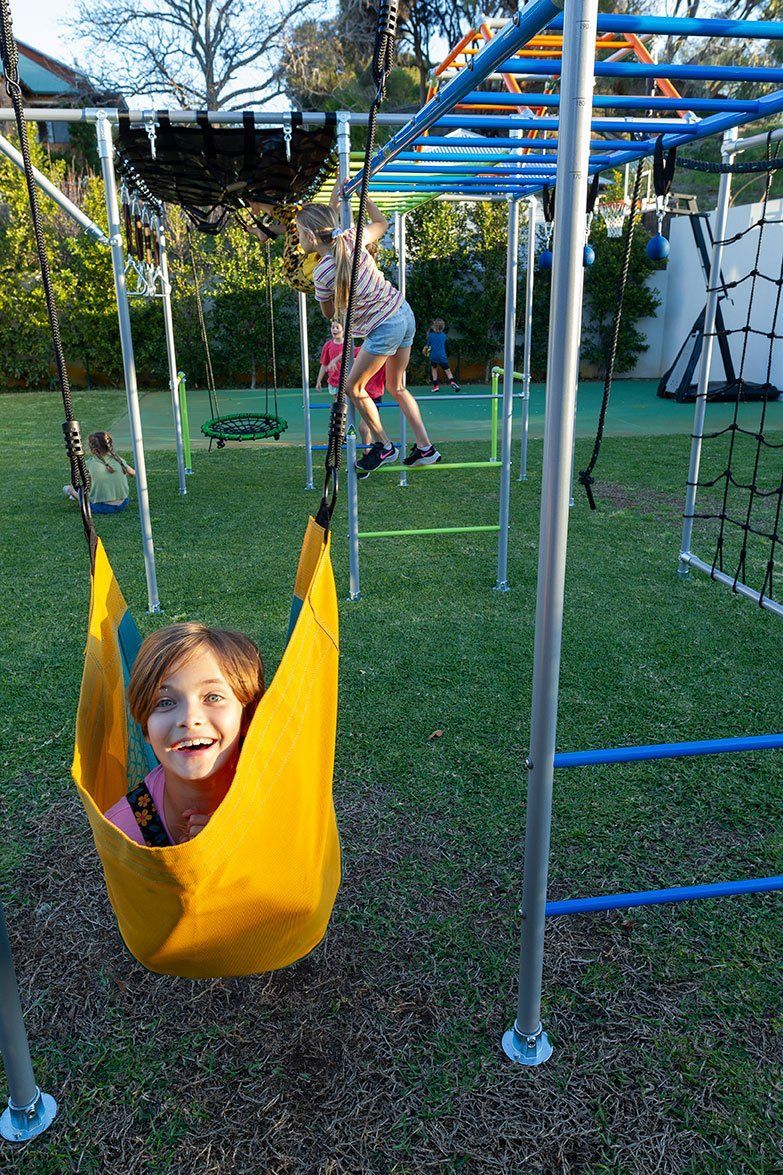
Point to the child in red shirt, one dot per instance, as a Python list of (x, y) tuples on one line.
[(331, 354)]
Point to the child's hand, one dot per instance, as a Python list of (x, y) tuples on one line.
[(195, 822), (318, 385), (426, 350)]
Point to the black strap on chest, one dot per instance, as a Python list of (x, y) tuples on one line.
[(147, 817)]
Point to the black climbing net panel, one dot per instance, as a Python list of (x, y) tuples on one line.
[(740, 484), (212, 171)]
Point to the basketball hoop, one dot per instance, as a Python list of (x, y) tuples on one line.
[(613, 214)]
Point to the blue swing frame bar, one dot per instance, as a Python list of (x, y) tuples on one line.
[(424, 156)]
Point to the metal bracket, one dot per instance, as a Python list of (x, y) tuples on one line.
[(288, 135), (152, 133)]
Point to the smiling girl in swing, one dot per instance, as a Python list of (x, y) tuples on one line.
[(193, 691)]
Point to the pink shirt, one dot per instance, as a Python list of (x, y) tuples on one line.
[(374, 387), (122, 816), (375, 298), (331, 350)]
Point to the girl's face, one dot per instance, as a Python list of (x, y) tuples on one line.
[(195, 727), (337, 332), (307, 241)]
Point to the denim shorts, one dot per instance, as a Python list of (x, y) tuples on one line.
[(108, 507), (394, 332)]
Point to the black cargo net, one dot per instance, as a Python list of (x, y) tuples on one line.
[(211, 171), (741, 475)]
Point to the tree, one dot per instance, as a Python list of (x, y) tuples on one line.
[(25, 336), (202, 53), (327, 65), (601, 288)]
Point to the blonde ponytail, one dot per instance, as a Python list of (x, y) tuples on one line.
[(343, 260), (323, 221)]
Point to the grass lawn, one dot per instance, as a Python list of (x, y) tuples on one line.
[(381, 1052)]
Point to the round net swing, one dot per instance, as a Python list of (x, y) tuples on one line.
[(240, 426), (244, 426)]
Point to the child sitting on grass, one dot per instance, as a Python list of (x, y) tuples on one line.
[(436, 352), (108, 476), (193, 691)]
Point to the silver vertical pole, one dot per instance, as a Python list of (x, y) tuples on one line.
[(29, 1111), (171, 354), (346, 220), (527, 1042), (402, 265), (509, 350), (305, 364), (353, 518), (106, 153), (707, 342), (527, 360)]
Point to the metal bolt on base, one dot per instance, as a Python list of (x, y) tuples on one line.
[(527, 1048), (21, 1123), (501, 586)]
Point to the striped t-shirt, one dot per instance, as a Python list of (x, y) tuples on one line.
[(375, 298)]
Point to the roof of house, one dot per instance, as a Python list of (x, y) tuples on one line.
[(43, 76)]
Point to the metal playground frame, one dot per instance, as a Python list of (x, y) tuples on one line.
[(565, 146)]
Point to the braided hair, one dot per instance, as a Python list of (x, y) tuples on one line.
[(102, 446)]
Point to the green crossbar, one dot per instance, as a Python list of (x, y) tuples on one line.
[(440, 465), (392, 534)]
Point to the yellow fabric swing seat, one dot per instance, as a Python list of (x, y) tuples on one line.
[(254, 890)]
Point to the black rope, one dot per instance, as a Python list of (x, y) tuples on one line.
[(80, 479), (383, 61), (270, 333), (586, 475), (214, 407)]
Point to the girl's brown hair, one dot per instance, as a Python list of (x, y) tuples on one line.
[(322, 220), (102, 446), (438, 324), (237, 656)]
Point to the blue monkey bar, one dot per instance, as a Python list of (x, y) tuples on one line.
[(715, 746), (637, 69), (662, 897), (616, 102), (426, 169)]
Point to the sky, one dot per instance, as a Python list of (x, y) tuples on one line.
[(38, 23), (41, 24)]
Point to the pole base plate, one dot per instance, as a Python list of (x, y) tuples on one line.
[(531, 1049), (21, 1124)]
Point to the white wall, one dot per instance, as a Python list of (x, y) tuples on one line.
[(682, 287)]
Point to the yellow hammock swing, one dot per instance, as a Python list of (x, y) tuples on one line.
[(255, 889)]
